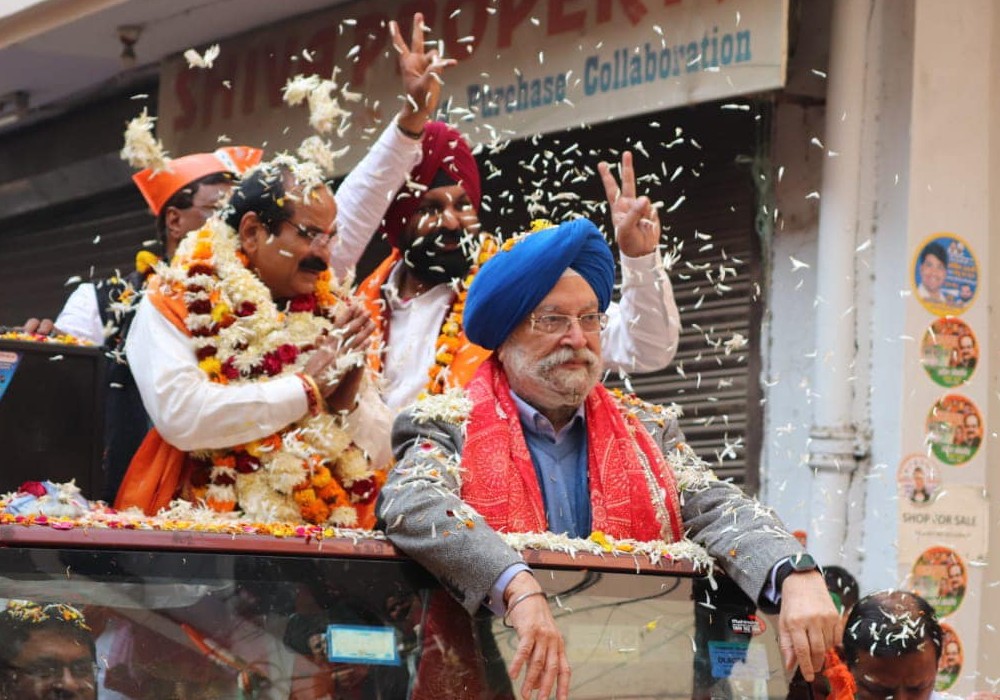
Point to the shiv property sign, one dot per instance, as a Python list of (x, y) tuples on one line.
[(524, 66)]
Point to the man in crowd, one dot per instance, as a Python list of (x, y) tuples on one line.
[(892, 643), (181, 199), (538, 444), (46, 653), (240, 344), (416, 295)]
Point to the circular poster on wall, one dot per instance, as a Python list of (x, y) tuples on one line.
[(952, 658), (918, 478), (945, 274), (941, 578), (949, 351), (954, 429)]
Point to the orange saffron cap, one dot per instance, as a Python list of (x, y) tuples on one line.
[(157, 187)]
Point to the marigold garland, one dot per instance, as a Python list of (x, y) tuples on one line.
[(310, 470), (449, 339), (61, 339)]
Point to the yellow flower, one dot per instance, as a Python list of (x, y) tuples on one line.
[(599, 538), (220, 311), (211, 366)]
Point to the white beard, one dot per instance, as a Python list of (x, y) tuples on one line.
[(544, 382)]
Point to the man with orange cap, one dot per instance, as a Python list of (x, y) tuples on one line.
[(181, 197), (417, 294)]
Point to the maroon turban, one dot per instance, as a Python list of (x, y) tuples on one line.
[(445, 151)]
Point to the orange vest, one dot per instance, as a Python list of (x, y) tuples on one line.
[(468, 356)]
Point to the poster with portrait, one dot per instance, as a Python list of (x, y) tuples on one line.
[(954, 429), (918, 479), (952, 658), (940, 577), (949, 351), (945, 274)]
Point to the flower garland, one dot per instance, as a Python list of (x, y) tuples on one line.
[(32, 613), (61, 339), (449, 339), (310, 470)]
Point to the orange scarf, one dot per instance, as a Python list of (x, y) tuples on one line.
[(155, 473), (467, 356), (633, 492), (842, 684)]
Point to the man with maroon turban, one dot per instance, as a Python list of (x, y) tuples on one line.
[(417, 294)]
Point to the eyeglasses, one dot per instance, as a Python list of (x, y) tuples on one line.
[(561, 323), (49, 671), (312, 234)]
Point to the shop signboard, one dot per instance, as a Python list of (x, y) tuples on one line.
[(524, 67)]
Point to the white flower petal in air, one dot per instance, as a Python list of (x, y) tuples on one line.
[(142, 149), (197, 60)]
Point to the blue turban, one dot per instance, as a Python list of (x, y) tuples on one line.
[(513, 282)]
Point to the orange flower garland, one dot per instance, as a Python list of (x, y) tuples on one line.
[(449, 339)]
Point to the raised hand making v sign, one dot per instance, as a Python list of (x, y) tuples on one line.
[(637, 225), (421, 72)]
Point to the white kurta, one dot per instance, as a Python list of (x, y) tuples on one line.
[(80, 316), (362, 201), (641, 336), (193, 413)]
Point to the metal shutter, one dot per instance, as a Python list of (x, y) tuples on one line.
[(40, 251)]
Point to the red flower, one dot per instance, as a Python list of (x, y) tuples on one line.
[(229, 370), (246, 463), (206, 351), (362, 490), (205, 331), (35, 488), (200, 474), (272, 364), (303, 302), (245, 309), (223, 479), (200, 268), (200, 306), (287, 353)]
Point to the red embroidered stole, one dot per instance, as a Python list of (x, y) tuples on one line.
[(633, 492)]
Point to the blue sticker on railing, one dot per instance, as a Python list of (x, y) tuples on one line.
[(725, 655), (8, 365), (356, 644)]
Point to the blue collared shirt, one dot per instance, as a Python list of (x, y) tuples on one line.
[(560, 460)]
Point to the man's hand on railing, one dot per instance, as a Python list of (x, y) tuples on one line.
[(541, 649)]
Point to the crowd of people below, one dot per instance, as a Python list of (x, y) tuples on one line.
[(892, 646)]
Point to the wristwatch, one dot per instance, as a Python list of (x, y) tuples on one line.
[(793, 565)]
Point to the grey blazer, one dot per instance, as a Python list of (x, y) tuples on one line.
[(421, 513)]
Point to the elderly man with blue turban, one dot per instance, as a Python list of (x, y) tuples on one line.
[(542, 446)]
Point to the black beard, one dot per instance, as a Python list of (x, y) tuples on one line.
[(434, 265)]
